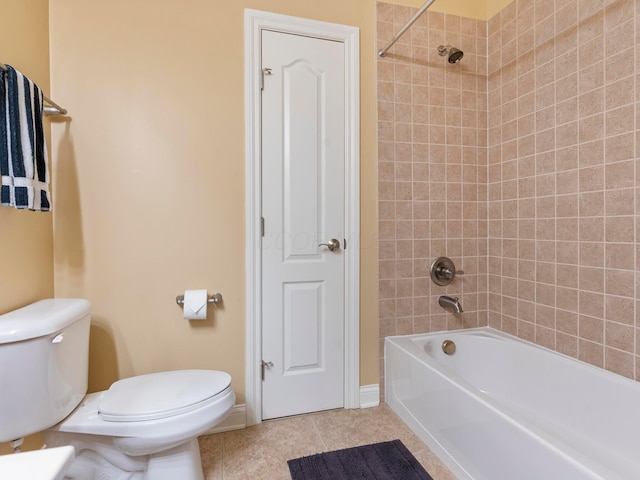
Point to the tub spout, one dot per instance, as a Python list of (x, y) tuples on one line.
[(452, 303)]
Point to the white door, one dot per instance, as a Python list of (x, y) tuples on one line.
[(303, 154)]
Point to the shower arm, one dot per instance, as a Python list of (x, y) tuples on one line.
[(383, 51)]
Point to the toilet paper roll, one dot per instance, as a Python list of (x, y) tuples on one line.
[(195, 304)]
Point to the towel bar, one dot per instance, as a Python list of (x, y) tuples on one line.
[(52, 109)]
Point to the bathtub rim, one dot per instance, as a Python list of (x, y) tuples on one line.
[(499, 334)]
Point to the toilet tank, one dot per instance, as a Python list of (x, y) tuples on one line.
[(44, 361)]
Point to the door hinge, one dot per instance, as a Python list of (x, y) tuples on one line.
[(262, 226), (264, 72), (265, 365), (344, 244)]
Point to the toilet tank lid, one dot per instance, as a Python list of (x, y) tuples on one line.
[(41, 318)]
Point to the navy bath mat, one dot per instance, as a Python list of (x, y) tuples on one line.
[(379, 461)]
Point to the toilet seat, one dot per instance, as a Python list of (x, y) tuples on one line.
[(86, 420), (160, 395)]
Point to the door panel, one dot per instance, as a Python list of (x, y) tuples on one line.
[(303, 91), (302, 327), (303, 154)]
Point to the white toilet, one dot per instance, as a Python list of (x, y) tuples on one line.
[(143, 427)]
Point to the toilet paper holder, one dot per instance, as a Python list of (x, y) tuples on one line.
[(215, 298)]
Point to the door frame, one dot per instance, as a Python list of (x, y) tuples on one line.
[(254, 22)]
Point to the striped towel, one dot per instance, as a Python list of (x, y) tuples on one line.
[(23, 153)]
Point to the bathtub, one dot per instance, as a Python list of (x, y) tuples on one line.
[(500, 408)]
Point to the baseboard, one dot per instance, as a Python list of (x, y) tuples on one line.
[(369, 396), (235, 421)]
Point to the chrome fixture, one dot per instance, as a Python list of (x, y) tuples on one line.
[(443, 271), (449, 347), (215, 299), (383, 51), (452, 303), (333, 244), (52, 109), (454, 54), (265, 365)]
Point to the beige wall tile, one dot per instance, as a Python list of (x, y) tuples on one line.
[(553, 204)]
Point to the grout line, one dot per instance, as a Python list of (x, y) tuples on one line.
[(635, 167), (318, 432)]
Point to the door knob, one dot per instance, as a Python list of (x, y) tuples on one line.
[(331, 244)]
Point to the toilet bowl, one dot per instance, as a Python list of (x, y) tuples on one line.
[(149, 415), (141, 428)]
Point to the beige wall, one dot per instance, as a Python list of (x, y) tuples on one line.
[(26, 238), (150, 176), (26, 241)]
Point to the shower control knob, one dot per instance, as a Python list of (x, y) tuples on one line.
[(443, 271)]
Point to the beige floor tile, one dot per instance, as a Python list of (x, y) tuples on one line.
[(268, 446), (348, 428), (262, 451), (211, 455)]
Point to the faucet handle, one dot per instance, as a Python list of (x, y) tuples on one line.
[(451, 273), (443, 271)]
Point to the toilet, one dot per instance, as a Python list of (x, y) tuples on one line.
[(141, 428)]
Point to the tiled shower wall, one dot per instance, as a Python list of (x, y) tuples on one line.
[(432, 154), (562, 178), (521, 167)]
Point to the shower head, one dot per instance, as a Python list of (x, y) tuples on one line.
[(454, 54)]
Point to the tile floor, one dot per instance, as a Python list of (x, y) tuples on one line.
[(262, 451)]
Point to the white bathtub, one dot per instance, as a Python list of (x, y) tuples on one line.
[(501, 408)]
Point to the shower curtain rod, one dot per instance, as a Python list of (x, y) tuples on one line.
[(53, 108), (383, 51)]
